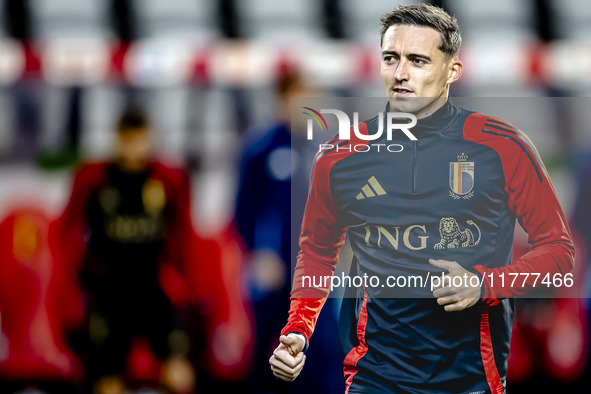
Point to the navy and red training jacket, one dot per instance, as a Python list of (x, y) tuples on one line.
[(454, 194)]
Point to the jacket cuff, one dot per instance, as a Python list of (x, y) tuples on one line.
[(482, 288), (488, 301)]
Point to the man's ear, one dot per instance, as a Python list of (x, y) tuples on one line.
[(455, 71)]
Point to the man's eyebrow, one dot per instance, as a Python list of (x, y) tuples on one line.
[(411, 55), (419, 55)]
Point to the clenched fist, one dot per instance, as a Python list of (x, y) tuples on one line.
[(288, 360)]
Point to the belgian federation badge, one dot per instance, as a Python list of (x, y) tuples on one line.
[(461, 178)]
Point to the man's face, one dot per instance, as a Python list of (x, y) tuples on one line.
[(414, 71), (133, 148)]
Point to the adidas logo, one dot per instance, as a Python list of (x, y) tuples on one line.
[(367, 191)]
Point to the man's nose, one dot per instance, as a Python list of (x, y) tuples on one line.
[(401, 72)]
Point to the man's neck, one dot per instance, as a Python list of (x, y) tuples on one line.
[(431, 108)]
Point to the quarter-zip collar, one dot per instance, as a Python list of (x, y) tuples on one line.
[(436, 123)]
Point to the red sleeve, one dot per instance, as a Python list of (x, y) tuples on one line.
[(532, 199), (67, 239), (195, 259), (321, 239), (68, 234), (179, 230)]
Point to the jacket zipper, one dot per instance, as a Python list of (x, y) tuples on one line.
[(415, 169)]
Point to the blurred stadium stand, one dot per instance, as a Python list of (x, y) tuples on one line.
[(183, 52), (53, 19), (179, 45)]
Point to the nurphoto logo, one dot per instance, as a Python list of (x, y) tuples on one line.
[(345, 129)]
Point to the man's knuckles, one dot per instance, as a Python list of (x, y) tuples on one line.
[(287, 373), (286, 368), (283, 356)]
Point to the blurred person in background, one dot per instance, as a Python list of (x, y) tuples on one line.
[(271, 198), (128, 228), (39, 306)]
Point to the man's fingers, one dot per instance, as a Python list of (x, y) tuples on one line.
[(440, 284), (456, 304), (454, 292), (278, 364), (456, 307), (451, 294), (284, 369), (282, 355), (444, 291), (448, 300), (284, 376), (284, 372), (444, 264)]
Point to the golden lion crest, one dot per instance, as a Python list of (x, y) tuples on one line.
[(453, 237)]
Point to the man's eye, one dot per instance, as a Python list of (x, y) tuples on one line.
[(389, 59), (420, 62)]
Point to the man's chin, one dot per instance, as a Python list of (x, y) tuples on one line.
[(409, 104)]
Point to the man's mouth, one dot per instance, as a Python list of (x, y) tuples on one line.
[(401, 92)]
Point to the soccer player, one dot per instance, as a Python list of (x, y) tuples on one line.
[(125, 218), (448, 202)]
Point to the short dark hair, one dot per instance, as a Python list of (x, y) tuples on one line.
[(430, 16), (132, 119)]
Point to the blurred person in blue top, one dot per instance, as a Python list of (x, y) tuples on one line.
[(271, 200)]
